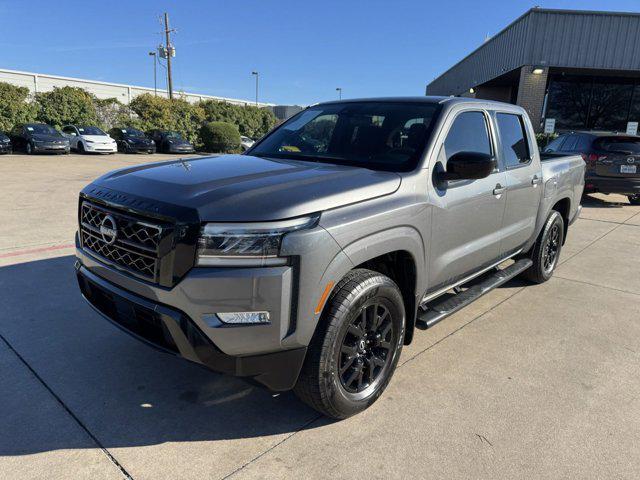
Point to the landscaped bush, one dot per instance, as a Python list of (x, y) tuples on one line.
[(14, 106), (71, 105), (252, 121), (220, 137), (66, 105)]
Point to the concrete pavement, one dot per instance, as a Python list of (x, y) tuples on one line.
[(528, 382)]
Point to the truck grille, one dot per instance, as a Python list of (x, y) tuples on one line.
[(124, 240)]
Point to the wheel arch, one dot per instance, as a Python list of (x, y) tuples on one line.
[(398, 253)]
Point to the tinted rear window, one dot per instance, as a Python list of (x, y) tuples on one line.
[(618, 144)]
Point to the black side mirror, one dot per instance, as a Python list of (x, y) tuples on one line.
[(469, 166)]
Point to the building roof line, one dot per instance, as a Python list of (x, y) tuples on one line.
[(525, 14), (124, 85)]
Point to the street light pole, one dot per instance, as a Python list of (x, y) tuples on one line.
[(257, 75), (339, 90), (155, 76)]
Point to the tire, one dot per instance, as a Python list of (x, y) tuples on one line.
[(80, 148), (546, 251), (363, 304), (634, 199), (29, 148)]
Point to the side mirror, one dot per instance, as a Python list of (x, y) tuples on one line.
[(469, 166)]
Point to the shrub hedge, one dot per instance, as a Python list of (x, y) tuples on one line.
[(220, 137), (71, 105)]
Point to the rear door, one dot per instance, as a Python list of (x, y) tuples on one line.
[(523, 180), (618, 156), (467, 218)]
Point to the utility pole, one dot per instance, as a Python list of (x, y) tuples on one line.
[(257, 75), (339, 90), (170, 53), (155, 76)]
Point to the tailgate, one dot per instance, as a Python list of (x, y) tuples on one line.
[(618, 165), (617, 156)]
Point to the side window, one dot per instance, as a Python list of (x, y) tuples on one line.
[(570, 144), (555, 145), (515, 147), (469, 133)]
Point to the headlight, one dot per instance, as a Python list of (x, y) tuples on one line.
[(38, 141), (89, 141), (247, 244)]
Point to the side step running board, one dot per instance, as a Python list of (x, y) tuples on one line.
[(441, 308)]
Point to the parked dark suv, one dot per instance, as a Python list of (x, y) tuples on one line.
[(5, 144), (613, 161), (170, 142), (39, 138), (132, 140)]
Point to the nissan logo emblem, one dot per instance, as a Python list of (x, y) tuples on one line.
[(108, 229), (631, 160)]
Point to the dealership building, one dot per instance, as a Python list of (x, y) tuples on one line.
[(579, 68)]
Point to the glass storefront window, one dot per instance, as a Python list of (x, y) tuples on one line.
[(592, 103)]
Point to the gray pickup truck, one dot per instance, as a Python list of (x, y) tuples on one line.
[(309, 261)]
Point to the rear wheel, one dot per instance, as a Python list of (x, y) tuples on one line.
[(356, 347), (634, 199), (546, 251)]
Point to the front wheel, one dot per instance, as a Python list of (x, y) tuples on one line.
[(80, 148), (356, 346), (546, 251), (634, 199), (29, 148)]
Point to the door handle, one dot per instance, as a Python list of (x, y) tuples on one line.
[(536, 180), (499, 190)]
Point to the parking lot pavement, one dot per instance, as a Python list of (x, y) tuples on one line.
[(530, 381)]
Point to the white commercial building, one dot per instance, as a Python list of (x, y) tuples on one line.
[(39, 82)]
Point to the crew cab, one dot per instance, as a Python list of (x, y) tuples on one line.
[(307, 262)]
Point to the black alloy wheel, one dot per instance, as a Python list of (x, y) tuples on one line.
[(356, 346), (551, 248), (366, 348)]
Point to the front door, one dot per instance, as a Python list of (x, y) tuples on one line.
[(467, 217)]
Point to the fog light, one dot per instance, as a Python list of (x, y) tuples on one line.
[(244, 318)]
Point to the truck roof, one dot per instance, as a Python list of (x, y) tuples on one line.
[(420, 99)]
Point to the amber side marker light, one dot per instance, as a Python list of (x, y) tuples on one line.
[(324, 296)]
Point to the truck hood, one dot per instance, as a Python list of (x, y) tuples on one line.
[(246, 188)]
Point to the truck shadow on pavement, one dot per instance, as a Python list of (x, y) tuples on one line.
[(124, 392)]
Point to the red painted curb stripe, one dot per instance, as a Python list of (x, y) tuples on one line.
[(36, 250)]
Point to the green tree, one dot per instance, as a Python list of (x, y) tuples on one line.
[(15, 107), (66, 105), (111, 113)]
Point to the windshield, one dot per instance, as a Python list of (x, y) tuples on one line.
[(375, 135), (42, 129), (619, 144), (173, 135), (132, 132), (90, 131)]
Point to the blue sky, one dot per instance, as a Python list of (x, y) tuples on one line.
[(303, 49)]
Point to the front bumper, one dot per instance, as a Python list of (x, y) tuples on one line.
[(173, 331), (50, 148), (621, 185), (181, 149), (5, 148), (141, 148), (101, 147)]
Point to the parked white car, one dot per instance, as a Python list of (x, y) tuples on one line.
[(86, 139), (246, 142)]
